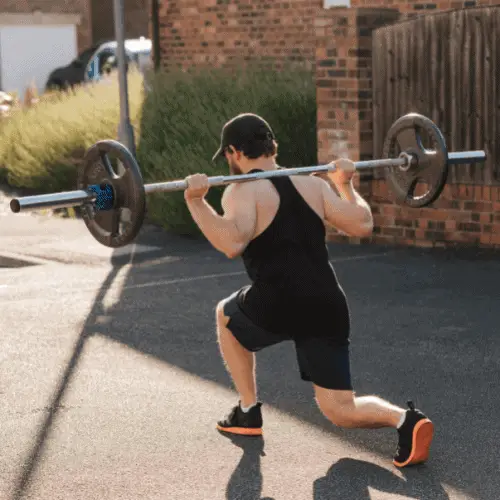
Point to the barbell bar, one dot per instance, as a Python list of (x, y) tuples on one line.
[(402, 161), (69, 199), (114, 205), (81, 197)]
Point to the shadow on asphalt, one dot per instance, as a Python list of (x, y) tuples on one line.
[(65, 381), (350, 478), (419, 331), (246, 481)]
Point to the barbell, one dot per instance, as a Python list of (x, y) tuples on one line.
[(114, 205)]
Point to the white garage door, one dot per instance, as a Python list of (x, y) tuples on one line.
[(29, 53)]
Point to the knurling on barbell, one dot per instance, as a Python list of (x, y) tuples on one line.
[(112, 193)]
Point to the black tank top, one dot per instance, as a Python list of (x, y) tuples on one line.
[(294, 288)]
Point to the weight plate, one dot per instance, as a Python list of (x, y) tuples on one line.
[(407, 134), (110, 163)]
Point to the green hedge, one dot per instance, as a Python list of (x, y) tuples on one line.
[(183, 115), (42, 146)]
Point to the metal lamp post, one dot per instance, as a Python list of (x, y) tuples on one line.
[(125, 129)]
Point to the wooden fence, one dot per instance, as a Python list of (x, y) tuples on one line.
[(447, 67)]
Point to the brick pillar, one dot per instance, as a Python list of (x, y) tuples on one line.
[(344, 92), (343, 75)]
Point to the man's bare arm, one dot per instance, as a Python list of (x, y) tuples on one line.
[(349, 212), (231, 232)]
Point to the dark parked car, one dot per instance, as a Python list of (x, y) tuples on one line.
[(93, 62)]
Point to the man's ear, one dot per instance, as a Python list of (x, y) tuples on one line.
[(233, 150)]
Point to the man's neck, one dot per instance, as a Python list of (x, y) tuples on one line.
[(265, 164)]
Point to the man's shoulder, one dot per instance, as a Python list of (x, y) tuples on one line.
[(238, 188), (239, 192), (309, 180), (321, 181)]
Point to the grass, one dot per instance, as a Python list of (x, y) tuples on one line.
[(42, 146)]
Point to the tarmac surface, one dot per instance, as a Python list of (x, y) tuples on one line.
[(111, 380)]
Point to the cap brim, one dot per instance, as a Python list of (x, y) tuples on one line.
[(218, 154)]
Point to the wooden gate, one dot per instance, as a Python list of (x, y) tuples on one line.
[(445, 66)]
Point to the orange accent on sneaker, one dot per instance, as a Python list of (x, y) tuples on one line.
[(243, 431), (421, 443)]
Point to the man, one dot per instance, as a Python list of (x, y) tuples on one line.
[(277, 225)]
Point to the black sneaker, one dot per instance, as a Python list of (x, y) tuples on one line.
[(245, 424), (415, 437)]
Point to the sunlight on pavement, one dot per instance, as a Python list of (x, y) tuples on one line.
[(146, 400), (113, 294), (112, 391), (127, 411)]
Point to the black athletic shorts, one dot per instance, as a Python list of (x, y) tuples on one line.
[(322, 360)]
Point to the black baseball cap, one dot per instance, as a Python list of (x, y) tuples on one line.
[(241, 130)]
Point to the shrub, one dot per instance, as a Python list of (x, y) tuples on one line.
[(182, 119), (42, 146)]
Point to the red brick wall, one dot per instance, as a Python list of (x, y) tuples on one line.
[(343, 72), (226, 32), (464, 215), (81, 7)]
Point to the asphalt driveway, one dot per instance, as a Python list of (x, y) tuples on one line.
[(111, 379)]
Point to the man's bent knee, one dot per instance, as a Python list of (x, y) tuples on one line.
[(222, 319)]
